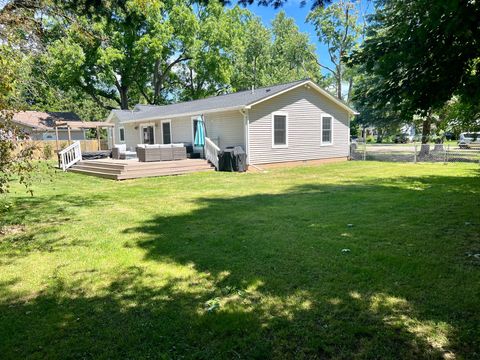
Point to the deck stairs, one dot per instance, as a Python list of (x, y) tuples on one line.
[(133, 169)]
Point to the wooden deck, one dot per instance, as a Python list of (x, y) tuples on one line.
[(133, 169)]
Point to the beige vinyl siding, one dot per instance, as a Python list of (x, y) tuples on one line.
[(182, 130), (132, 136), (304, 108), (226, 128)]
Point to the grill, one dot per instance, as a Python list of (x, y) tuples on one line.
[(232, 159)]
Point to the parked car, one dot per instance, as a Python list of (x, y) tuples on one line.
[(449, 136), (401, 139), (469, 140)]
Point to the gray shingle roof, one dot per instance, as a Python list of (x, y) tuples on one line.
[(43, 120), (238, 99), (221, 102)]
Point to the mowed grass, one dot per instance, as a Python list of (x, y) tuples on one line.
[(243, 266)]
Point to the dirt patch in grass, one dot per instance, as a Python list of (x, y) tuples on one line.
[(6, 230)]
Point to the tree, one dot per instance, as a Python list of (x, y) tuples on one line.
[(252, 59), (216, 39), (124, 52), (421, 53), (273, 55), (140, 51), (15, 157), (457, 116), (293, 56), (337, 27)]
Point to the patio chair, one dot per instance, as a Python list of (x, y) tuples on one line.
[(120, 152), (117, 150)]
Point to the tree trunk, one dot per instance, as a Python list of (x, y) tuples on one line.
[(350, 86), (156, 82), (339, 86), (255, 72), (123, 97), (339, 82), (426, 126)]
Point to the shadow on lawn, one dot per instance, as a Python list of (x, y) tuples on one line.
[(270, 268), (44, 215)]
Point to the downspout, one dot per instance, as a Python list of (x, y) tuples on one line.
[(246, 123)]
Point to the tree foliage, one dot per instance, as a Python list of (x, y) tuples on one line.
[(15, 156), (338, 27), (124, 52), (423, 52)]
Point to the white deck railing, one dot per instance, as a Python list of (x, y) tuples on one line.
[(211, 152), (70, 155)]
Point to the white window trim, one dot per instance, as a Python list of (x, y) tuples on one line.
[(141, 126), (171, 132), (331, 131), (119, 137), (282, 113)]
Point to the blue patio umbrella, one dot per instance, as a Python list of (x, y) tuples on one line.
[(200, 133)]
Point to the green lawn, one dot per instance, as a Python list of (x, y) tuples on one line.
[(227, 266)]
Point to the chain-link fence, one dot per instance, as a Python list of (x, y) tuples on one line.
[(413, 152)]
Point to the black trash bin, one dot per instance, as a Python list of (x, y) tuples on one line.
[(232, 159)]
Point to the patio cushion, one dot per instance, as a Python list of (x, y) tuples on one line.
[(121, 147)]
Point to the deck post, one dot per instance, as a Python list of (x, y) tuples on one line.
[(98, 138), (69, 135), (56, 139), (113, 136)]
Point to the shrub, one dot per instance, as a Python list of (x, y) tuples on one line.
[(47, 151)]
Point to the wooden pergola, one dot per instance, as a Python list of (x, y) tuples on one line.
[(82, 125)]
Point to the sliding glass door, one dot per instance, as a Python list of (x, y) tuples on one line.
[(148, 134)]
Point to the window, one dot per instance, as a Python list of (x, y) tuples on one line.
[(326, 130), (121, 133), (279, 130), (166, 132)]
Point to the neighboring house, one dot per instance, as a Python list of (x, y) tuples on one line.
[(288, 122), (40, 125)]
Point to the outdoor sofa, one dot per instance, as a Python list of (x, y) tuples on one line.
[(161, 152)]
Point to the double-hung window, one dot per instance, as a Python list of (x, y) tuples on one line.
[(279, 130), (121, 133), (327, 130)]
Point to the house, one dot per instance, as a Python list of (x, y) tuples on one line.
[(41, 125), (297, 121)]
